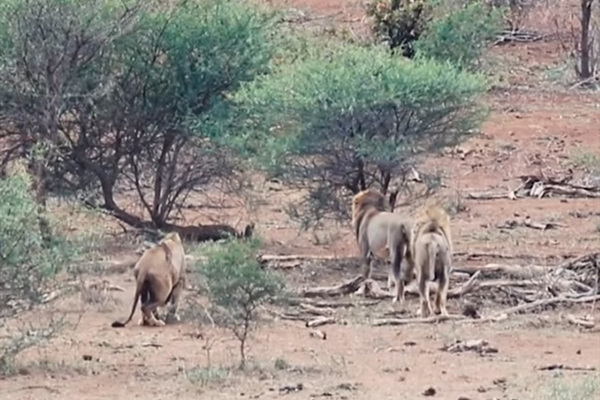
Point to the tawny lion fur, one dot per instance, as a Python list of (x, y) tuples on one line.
[(160, 279), (382, 234), (432, 249)]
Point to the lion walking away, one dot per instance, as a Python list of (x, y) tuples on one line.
[(384, 235), (432, 249), (160, 279)]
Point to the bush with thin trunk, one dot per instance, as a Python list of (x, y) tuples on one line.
[(237, 285)]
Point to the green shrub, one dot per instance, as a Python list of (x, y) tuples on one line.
[(237, 285), (27, 263), (355, 118), (461, 35)]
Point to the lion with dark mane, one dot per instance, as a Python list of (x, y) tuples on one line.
[(384, 235)]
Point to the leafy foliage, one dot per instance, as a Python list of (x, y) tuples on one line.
[(27, 262), (354, 118), (462, 34), (399, 22), (119, 93), (237, 285)]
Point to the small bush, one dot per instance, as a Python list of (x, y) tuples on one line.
[(204, 376), (562, 388), (27, 262), (399, 22), (281, 364), (590, 162), (461, 35), (237, 285)]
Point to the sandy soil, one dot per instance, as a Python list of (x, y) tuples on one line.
[(535, 126)]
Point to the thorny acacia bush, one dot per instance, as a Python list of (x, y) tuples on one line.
[(27, 261), (121, 94), (237, 284), (353, 117)]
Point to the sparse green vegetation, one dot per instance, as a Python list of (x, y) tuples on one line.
[(281, 364), (570, 388), (237, 286), (586, 160), (207, 375)]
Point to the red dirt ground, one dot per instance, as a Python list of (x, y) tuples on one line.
[(536, 125)]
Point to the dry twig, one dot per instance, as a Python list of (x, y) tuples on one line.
[(347, 287), (320, 321)]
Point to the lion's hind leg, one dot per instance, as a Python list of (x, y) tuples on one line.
[(426, 265), (426, 309), (175, 299), (440, 298), (150, 313), (396, 255), (150, 302), (443, 268), (150, 319)]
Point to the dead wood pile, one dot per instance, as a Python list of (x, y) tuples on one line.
[(543, 186), (524, 288)]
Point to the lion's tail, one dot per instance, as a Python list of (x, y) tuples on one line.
[(432, 253), (407, 238), (138, 290)]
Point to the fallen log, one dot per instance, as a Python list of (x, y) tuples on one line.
[(319, 322), (205, 233), (333, 304), (429, 320), (514, 271), (308, 308), (344, 288), (487, 196), (294, 316), (547, 302), (268, 258), (540, 226), (553, 367), (469, 255)]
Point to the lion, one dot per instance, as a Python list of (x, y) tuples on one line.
[(431, 247), (160, 279), (384, 235)]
